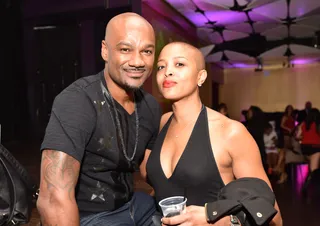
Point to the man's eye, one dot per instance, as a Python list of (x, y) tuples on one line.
[(149, 52), (125, 50)]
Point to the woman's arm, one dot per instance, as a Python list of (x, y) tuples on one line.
[(299, 132)]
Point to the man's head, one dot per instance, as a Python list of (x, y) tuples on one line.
[(308, 105), (223, 109), (128, 50), (181, 69), (268, 128)]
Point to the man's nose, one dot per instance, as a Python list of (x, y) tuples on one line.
[(136, 60)]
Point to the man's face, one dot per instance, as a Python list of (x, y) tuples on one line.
[(224, 111), (308, 105), (129, 54)]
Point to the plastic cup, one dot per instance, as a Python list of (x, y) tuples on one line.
[(173, 206)]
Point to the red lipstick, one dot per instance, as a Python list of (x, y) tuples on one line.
[(168, 84)]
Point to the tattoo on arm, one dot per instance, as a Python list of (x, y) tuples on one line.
[(60, 171)]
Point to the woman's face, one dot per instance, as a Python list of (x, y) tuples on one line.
[(290, 110), (178, 75)]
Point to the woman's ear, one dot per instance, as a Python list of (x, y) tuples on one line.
[(202, 76)]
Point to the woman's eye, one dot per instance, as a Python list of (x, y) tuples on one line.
[(179, 64), (160, 67)]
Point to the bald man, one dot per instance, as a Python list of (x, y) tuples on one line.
[(101, 128), (198, 150)]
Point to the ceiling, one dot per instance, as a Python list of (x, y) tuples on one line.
[(255, 33)]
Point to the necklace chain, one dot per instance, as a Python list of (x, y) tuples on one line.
[(107, 95), (177, 135)]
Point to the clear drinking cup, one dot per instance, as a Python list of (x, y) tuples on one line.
[(173, 206)]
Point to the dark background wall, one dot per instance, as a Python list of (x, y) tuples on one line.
[(45, 46), (13, 101), (48, 44)]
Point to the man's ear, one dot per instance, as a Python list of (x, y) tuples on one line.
[(104, 51), (202, 76)]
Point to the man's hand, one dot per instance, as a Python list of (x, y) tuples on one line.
[(194, 216)]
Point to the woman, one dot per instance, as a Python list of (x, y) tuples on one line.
[(309, 136), (198, 151), (287, 126), (270, 138), (287, 129)]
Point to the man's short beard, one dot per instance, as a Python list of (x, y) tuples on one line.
[(130, 88), (127, 87)]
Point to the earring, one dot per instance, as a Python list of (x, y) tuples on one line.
[(199, 85)]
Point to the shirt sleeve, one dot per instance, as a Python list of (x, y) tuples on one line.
[(157, 116), (71, 124)]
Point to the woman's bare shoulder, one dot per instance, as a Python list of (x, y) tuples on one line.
[(164, 118), (221, 122)]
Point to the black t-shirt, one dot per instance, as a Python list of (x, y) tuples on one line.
[(81, 125)]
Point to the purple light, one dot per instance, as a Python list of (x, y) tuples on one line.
[(226, 17), (303, 61), (302, 171), (242, 65), (196, 18)]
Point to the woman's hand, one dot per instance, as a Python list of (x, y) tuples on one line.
[(194, 216)]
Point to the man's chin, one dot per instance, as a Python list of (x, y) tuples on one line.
[(132, 86)]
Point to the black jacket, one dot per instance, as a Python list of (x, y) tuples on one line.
[(251, 197)]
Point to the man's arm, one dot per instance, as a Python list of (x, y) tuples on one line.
[(246, 159), (56, 202)]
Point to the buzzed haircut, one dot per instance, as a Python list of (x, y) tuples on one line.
[(198, 55)]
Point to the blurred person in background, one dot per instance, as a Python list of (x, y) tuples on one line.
[(287, 127), (255, 125), (223, 109), (309, 135), (270, 138)]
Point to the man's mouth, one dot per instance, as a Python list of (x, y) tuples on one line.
[(135, 71)]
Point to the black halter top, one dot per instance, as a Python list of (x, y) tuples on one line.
[(196, 174)]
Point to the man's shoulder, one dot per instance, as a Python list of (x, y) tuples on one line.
[(78, 93), (82, 85)]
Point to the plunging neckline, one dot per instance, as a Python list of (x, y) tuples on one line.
[(165, 129)]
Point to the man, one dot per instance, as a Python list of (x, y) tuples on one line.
[(100, 129), (220, 150), (302, 115), (223, 109)]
